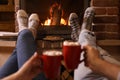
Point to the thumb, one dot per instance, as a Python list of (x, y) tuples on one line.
[(34, 56), (86, 47)]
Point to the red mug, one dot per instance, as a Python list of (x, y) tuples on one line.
[(51, 63), (71, 53)]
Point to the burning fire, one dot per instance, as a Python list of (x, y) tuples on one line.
[(56, 16), (48, 22)]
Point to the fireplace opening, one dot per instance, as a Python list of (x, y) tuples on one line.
[(42, 7)]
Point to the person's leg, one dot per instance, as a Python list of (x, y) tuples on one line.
[(10, 66), (26, 44), (86, 37), (32, 25)]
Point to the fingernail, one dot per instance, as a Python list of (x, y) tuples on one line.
[(35, 53)]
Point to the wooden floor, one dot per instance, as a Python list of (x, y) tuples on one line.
[(5, 52), (6, 48)]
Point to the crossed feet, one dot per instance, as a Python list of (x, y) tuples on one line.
[(87, 22), (30, 23)]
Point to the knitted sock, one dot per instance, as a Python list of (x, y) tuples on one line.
[(33, 23), (74, 23), (87, 37), (22, 19), (88, 18)]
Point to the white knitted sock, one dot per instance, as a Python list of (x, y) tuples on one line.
[(87, 37), (33, 23), (22, 19), (88, 18)]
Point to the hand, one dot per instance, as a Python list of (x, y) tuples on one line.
[(91, 55), (98, 65), (31, 68)]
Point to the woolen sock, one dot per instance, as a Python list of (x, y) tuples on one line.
[(74, 23), (88, 18), (33, 23), (22, 19)]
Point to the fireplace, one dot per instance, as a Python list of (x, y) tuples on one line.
[(42, 7), (58, 33)]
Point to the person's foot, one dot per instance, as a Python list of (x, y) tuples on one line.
[(87, 37), (33, 23), (22, 19), (88, 18), (74, 23)]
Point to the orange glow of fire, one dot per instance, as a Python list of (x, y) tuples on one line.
[(48, 22)]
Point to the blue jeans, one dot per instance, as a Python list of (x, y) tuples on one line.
[(25, 48)]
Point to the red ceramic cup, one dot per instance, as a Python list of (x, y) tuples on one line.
[(71, 53), (51, 63)]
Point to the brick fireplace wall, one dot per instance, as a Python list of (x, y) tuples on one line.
[(106, 21)]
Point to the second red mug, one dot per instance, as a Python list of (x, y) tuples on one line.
[(71, 53)]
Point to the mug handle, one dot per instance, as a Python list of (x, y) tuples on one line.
[(81, 60), (80, 56)]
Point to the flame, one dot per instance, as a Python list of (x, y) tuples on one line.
[(48, 22), (63, 22), (55, 7), (69, 23)]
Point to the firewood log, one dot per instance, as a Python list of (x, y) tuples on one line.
[(55, 13)]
